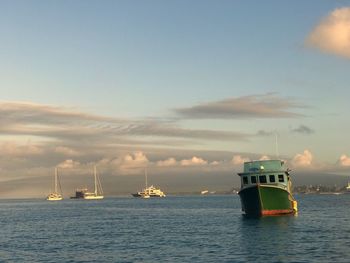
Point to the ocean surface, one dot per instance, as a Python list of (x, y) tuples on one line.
[(173, 229)]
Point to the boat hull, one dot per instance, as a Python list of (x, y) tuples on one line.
[(98, 197), (143, 196), (261, 200), (54, 198)]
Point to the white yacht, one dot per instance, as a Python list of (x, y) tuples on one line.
[(56, 195), (98, 193), (148, 192), (348, 187)]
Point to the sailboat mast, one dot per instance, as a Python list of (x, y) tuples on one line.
[(55, 179), (95, 175), (146, 177)]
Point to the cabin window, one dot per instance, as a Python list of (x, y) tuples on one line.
[(245, 180), (253, 179), (262, 179), (272, 178), (281, 178)]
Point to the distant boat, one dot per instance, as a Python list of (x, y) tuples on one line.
[(79, 193), (56, 195), (266, 189), (98, 193), (204, 192), (148, 192), (348, 187)]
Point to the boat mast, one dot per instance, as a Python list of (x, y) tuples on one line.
[(95, 175), (146, 176), (55, 179)]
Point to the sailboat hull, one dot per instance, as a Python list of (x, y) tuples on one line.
[(97, 197), (54, 197)]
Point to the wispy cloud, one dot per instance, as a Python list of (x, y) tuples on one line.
[(332, 34), (171, 130), (265, 133), (303, 130), (66, 151), (13, 149), (255, 106), (64, 124)]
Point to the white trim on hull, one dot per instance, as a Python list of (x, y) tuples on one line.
[(54, 198), (93, 197)]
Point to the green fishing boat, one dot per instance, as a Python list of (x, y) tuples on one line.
[(266, 189)]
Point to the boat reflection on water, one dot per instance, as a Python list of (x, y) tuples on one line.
[(273, 234)]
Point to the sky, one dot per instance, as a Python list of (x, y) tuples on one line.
[(188, 89)]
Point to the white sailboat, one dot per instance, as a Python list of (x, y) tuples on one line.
[(55, 195), (98, 193)]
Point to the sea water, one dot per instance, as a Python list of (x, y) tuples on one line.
[(173, 229)]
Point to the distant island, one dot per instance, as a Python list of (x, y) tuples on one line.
[(320, 189), (301, 189)]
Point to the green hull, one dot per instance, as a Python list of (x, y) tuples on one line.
[(266, 200)]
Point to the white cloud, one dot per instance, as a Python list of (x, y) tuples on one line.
[(303, 159), (131, 161), (215, 163), (344, 160), (332, 34), (167, 162), (137, 159), (194, 161), (238, 160), (68, 164), (264, 157)]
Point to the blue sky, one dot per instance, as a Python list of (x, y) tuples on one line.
[(137, 66)]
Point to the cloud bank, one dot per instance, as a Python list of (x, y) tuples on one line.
[(332, 34), (255, 106)]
